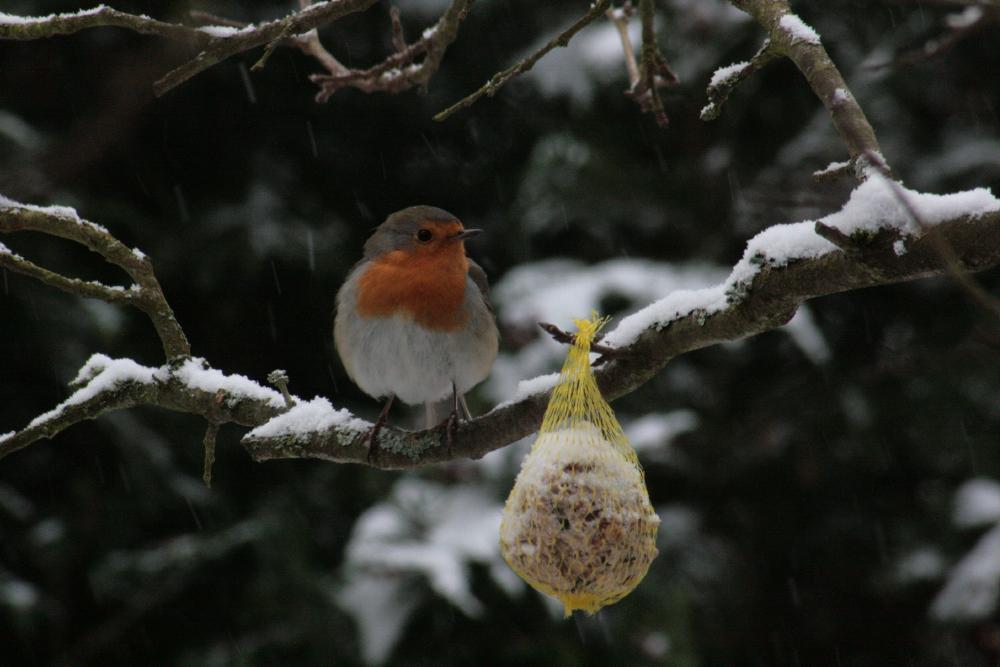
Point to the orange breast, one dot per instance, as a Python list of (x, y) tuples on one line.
[(428, 288)]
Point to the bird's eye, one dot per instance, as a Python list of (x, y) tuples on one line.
[(424, 235)]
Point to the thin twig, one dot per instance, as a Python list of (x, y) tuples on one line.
[(566, 338), (725, 80), (959, 26), (822, 75), (279, 379), (295, 23), (209, 445), (655, 73), (619, 17), (498, 80), (399, 71), (838, 238)]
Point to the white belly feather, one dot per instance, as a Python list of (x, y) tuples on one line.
[(393, 355)]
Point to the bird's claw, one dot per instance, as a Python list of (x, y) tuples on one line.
[(371, 439), (450, 426)]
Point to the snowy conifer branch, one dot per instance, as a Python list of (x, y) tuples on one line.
[(145, 293), (498, 80), (788, 35), (398, 72)]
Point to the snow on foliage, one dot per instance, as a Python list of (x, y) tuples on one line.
[(977, 503), (18, 595), (922, 564), (317, 415), (972, 588), (872, 206), (593, 57), (964, 19), (422, 532), (651, 435)]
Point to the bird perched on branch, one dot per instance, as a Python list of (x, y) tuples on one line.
[(414, 321)]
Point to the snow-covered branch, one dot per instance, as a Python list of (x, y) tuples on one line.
[(104, 385), (217, 42), (398, 72), (145, 292), (782, 267), (38, 27), (790, 36), (880, 242)]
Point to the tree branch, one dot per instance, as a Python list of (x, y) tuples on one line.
[(766, 302), (725, 79), (762, 293), (977, 15), (791, 37), (40, 27), (145, 294), (498, 80), (218, 42), (314, 16), (397, 72), (104, 385), (643, 87)]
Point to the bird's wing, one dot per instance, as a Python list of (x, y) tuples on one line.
[(479, 277)]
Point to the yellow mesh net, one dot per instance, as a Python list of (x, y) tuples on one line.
[(578, 524)]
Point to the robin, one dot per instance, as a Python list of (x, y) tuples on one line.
[(414, 320)]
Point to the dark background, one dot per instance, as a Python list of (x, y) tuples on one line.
[(808, 516)]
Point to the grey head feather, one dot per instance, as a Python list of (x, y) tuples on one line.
[(398, 229)]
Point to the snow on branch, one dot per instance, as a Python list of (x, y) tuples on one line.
[(222, 38), (218, 42), (399, 71), (191, 385), (726, 78), (782, 267), (38, 27), (145, 292), (790, 36)]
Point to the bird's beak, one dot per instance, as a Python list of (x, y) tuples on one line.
[(466, 233)]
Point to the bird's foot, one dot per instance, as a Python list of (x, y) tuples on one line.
[(371, 439), (450, 428)]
